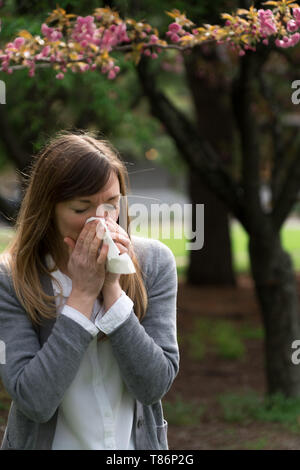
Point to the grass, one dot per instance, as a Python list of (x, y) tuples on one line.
[(239, 239), (182, 413), (218, 336), (251, 406), (239, 242)]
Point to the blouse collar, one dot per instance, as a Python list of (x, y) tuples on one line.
[(64, 280)]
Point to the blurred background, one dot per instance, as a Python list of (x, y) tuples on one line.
[(219, 398)]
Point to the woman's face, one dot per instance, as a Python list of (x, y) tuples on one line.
[(70, 216)]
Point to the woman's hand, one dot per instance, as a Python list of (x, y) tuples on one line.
[(123, 242), (85, 265)]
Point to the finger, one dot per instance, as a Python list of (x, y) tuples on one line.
[(80, 240), (94, 245), (84, 247), (122, 248), (121, 239), (103, 253), (113, 226), (100, 230), (88, 240)]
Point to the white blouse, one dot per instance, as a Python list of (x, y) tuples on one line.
[(97, 410)]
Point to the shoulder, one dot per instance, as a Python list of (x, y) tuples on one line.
[(153, 256), (147, 248)]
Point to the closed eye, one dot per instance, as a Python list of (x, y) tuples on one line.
[(108, 207)]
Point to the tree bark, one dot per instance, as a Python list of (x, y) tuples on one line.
[(276, 289), (271, 266), (213, 263)]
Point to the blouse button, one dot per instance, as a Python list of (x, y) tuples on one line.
[(140, 422)]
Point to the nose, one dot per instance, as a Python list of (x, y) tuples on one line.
[(101, 211)]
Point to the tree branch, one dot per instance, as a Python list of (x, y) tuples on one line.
[(242, 99), (198, 154)]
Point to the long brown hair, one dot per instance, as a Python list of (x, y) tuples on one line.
[(70, 164)]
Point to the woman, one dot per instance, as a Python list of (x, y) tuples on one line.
[(89, 354)]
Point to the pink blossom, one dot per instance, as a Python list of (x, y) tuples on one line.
[(295, 39), (296, 14), (174, 37), (18, 42), (279, 42), (45, 51), (292, 26), (110, 69), (153, 39), (154, 55), (112, 37), (111, 75), (50, 33), (267, 22), (84, 30), (59, 76), (288, 42), (174, 27)]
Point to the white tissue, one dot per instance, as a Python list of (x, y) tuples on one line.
[(115, 263)]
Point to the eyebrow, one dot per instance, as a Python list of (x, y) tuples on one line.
[(88, 201)]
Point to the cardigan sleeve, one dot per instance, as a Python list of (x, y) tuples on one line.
[(147, 352), (80, 318), (113, 317), (36, 378)]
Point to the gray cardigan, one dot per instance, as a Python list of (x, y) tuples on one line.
[(41, 362)]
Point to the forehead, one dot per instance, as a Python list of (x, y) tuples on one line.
[(111, 188)]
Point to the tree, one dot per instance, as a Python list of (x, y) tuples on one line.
[(81, 44)]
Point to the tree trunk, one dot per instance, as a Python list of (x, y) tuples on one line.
[(276, 289), (212, 264)]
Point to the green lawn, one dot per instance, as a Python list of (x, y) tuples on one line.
[(290, 238)]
